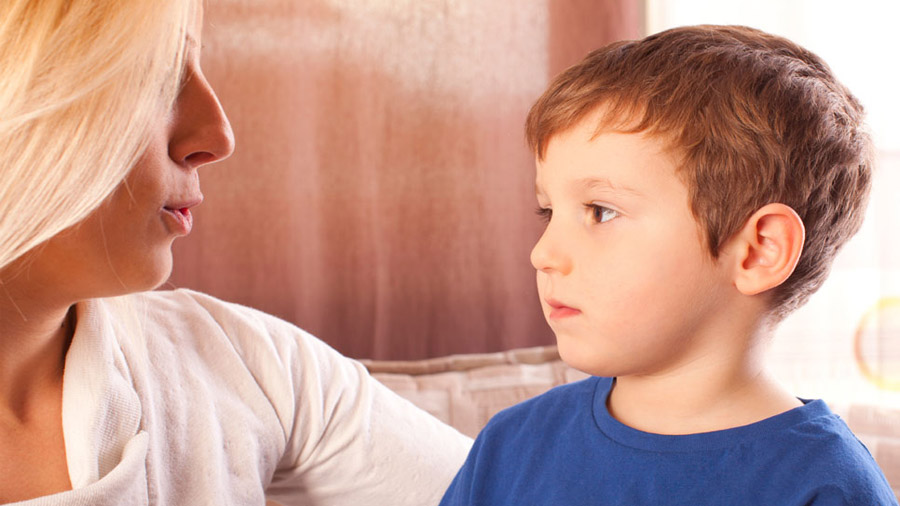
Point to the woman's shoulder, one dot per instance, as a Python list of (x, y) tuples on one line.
[(186, 304), (209, 380), (182, 311), (183, 333), (191, 326)]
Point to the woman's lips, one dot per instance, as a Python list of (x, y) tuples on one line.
[(558, 310), (181, 221), (179, 215)]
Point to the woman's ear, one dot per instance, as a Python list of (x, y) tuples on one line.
[(767, 248)]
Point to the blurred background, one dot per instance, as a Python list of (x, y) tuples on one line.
[(381, 192)]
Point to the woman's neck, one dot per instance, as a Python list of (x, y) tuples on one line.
[(35, 331)]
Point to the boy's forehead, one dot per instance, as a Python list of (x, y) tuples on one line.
[(603, 118), (587, 159)]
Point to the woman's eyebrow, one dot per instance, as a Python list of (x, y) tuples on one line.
[(192, 45)]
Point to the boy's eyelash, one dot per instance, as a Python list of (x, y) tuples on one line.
[(598, 212), (545, 213)]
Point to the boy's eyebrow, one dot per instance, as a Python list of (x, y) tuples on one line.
[(601, 183)]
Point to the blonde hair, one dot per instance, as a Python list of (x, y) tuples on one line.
[(82, 82)]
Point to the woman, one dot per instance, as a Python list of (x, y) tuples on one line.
[(115, 395)]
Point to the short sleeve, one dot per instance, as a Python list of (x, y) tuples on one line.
[(348, 439)]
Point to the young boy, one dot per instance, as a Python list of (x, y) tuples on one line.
[(697, 185)]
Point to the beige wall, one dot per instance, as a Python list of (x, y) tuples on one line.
[(381, 194)]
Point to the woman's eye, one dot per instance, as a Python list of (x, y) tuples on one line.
[(545, 213), (602, 214)]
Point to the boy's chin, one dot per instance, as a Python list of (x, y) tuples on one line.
[(572, 351)]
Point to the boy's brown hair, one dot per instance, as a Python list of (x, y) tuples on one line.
[(753, 118)]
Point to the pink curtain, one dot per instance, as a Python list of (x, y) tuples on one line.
[(381, 193)]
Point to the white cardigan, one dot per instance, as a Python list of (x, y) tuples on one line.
[(177, 398)]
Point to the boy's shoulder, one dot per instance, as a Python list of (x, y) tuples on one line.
[(796, 435), (551, 419), (804, 455), (822, 450), (568, 398)]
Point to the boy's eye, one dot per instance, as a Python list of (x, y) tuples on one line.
[(601, 214), (545, 213)]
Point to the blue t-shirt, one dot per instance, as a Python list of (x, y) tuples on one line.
[(563, 448)]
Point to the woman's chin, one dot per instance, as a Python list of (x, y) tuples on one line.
[(157, 275), (140, 275)]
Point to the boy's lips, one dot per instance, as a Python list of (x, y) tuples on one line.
[(559, 310)]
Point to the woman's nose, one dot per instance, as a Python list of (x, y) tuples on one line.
[(549, 254), (201, 133)]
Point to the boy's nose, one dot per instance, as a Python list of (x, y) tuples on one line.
[(202, 133), (547, 255)]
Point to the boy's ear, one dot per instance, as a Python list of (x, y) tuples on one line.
[(767, 248)]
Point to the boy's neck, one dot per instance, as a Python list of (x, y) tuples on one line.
[(732, 393)]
